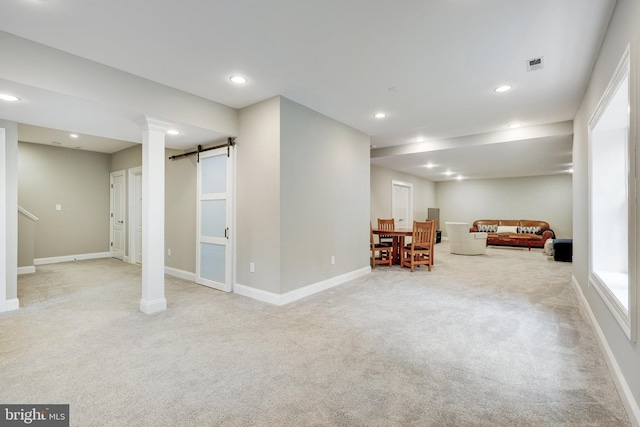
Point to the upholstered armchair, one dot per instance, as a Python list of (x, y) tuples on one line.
[(461, 242)]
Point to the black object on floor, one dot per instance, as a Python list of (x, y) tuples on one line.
[(563, 250)]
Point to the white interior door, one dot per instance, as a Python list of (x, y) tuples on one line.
[(402, 204), (117, 225), (138, 218), (215, 190)]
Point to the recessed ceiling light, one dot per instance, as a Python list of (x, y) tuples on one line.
[(514, 125), (504, 88), (238, 79), (429, 165), (570, 170), (448, 173), (7, 97), (459, 178), (73, 135), (173, 132), (420, 139), (380, 115)]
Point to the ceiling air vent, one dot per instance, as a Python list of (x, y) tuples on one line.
[(535, 63)]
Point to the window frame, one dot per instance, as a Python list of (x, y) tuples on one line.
[(626, 318)]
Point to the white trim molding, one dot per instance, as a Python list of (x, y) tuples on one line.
[(68, 258), (180, 274), (297, 294), (628, 400), (26, 270)]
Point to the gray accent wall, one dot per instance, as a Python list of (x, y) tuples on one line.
[(127, 158), (26, 240), (9, 192), (324, 182), (545, 198), (78, 181), (180, 211), (623, 29), (302, 197), (258, 195), (180, 204)]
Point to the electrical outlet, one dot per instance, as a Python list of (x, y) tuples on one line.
[(252, 267), (169, 252), (333, 259)]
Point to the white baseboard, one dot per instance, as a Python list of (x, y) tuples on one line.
[(286, 298), (10, 305), (26, 270), (181, 274), (630, 404), (68, 258)]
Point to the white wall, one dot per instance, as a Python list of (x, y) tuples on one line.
[(623, 28), (424, 194), (544, 198)]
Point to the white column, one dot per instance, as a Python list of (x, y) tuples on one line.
[(153, 161), (8, 217)]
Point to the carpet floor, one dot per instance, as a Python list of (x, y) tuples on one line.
[(493, 340)]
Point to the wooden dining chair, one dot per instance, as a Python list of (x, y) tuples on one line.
[(420, 250), (388, 225), (384, 251)]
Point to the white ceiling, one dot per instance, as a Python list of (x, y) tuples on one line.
[(430, 65)]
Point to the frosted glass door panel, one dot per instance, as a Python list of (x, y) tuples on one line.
[(214, 174), (213, 220), (212, 262), (214, 254)]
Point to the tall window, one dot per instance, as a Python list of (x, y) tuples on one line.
[(612, 200)]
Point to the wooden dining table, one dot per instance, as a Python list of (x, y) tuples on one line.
[(397, 236)]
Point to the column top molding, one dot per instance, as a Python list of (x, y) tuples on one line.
[(148, 123)]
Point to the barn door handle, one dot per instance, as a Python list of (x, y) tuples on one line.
[(226, 232)]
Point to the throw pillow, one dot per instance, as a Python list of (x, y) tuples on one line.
[(487, 228), (529, 230), (507, 229)]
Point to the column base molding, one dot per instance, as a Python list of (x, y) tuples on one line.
[(150, 307)]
